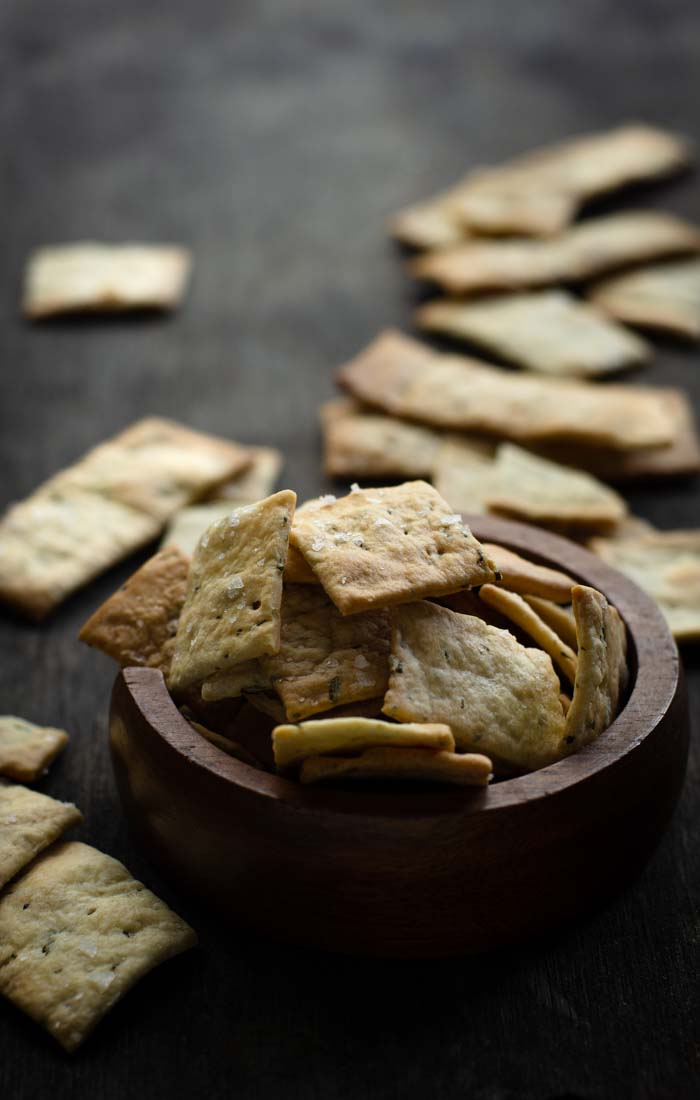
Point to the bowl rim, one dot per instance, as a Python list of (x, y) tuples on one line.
[(654, 661)]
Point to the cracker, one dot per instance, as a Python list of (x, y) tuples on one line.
[(189, 524), (408, 379), (666, 564), (88, 277), (665, 298), (550, 331), (27, 750), (248, 676), (257, 481), (588, 250), (377, 547), (29, 822), (601, 674), (327, 659), (526, 618), (463, 769), (296, 568), (137, 625), (540, 192), (56, 541), (432, 224), (232, 607), (368, 445), (560, 619), (463, 474), (521, 575), (76, 933), (528, 487), (226, 744), (292, 744), (497, 696)]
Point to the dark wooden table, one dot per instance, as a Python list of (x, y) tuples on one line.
[(274, 139)]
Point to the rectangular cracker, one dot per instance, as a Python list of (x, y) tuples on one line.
[(26, 750), (497, 696), (664, 297), (526, 618), (538, 193), (256, 482), (327, 659), (189, 524), (232, 607), (137, 625), (548, 331), (368, 445), (666, 564), (424, 765), (292, 744), (560, 619), (88, 277), (29, 822), (408, 379), (521, 575), (76, 933), (377, 547), (601, 674)]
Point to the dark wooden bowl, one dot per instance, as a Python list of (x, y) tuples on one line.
[(424, 873)]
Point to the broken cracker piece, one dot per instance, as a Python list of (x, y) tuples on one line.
[(497, 696), (423, 765), (29, 822), (76, 933), (524, 616), (377, 547), (326, 736), (601, 674), (26, 750)]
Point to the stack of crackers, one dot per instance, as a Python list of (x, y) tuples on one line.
[(382, 639)]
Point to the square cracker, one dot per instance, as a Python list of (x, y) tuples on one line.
[(518, 574), (350, 736), (550, 331), (601, 674), (498, 697), (91, 277), (137, 625), (29, 822), (666, 564), (327, 659), (27, 750), (76, 933), (376, 547), (465, 769), (232, 608), (523, 615), (57, 540), (254, 483), (588, 250), (406, 378), (665, 297)]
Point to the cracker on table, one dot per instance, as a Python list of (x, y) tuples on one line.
[(463, 474), (189, 524), (540, 192), (26, 750), (601, 674), (296, 568), (292, 744), (91, 277), (56, 541), (526, 618), (243, 678), (254, 483), (588, 250), (466, 769), (137, 625), (432, 224), (232, 607), (76, 933), (548, 331), (326, 659), (521, 575), (560, 619), (498, 697), (29, 822), (666, 564), (664, 297), (369, 445), (376, 547), (406, 378)]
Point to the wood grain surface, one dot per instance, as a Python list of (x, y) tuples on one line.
[(275, 138)]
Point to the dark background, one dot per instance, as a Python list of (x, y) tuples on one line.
[(275, 139)]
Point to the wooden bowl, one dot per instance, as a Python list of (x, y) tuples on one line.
[(429, 873)]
